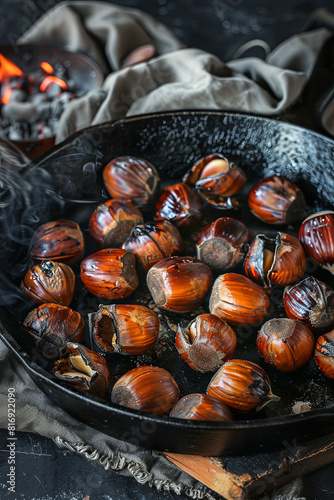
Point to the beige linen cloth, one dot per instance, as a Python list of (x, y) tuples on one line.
[(177, 78)]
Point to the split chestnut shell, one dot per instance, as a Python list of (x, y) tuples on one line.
[(202, 407), (146, 388), (238, 300), (51, 326), (276, 200), (310, 302), (206, 343), (317, 236), (285, 344), (60, 241), (110, 273), (324, 354), (179, 284), (241, 385), (84, 369), (49, 281), (278, 261), (126, 329), (221, 245)]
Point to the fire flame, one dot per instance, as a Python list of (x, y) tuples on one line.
[(47, 67), (48, 82), (8, 69)]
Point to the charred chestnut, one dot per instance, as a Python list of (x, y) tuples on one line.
[(112, 222), (241, 385), (199, 406), (179, 284), (146, 388), (285, 344), (217, 180), (221, 244), (51, 326), (324, 354), (238, 300), (110, 273), (84, 369), (278, 261), (126, 329), (317, 235), (206, 343), (131, 178), (310, 302), (60, 241), (154, 241), (276, 200), (180, 205), (50, 282)]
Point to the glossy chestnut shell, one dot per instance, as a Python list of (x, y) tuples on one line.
[(310, 302), (285, 344), (50, 282), (324, 354), (202, 407), (60, 241), (131, 178), (238, 300), (110, 273), (216, 180), (179, 284), (126, 329), (317, 236), (112, 222), (278, 261), (276, 200), (154, 241), (222, 244), (180, 205), (51, 326), (146, 388), (206, 343), (241, 385), (84, 369)]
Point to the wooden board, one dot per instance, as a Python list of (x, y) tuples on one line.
[(253, 476)]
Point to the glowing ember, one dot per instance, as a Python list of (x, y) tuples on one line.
[(49, 80), (8, 69), (47, 67), (6, 96)]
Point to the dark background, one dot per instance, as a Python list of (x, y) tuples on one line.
[(43, 471)]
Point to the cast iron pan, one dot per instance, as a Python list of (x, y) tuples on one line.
[(67, 182)]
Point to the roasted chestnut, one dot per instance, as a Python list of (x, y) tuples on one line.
[(60, 241), (276, 200), (154, 241), (216, 180), (50, 282), (126, 329), (179, 284), (241, 385), (112, 222), (317, 235), (206, 343), (131, 178), (138, 55), (324, 354), (310, 302), (199, 406), (110, 273), (84, 369), (146, 388), (180, 205), (51, 326), (285, 344), (278, 261), (221, 245), (238, 300)]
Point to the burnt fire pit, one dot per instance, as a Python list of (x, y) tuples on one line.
[(37, 83)]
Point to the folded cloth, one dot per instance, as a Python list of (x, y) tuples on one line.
[(187, 78)]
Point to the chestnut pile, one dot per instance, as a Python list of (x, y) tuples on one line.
[(134, 251)]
